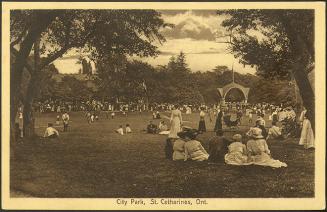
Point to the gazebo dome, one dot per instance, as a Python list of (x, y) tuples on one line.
[(224, 90)]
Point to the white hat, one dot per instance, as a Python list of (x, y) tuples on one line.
[(255, 132), (237, 137)]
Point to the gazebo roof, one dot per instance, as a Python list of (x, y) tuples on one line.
[(224, 90)]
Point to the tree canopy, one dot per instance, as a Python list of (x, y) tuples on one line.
[(280, 43), (51, 33)]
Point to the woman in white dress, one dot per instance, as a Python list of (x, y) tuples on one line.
[(237, 153), (307, 137), (193, 148), (175, 122), (258, 151)]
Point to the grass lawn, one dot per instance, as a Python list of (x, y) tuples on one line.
[(94, 161)]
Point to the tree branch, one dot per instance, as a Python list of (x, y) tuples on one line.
[(65, 48), (19, 38), (27, 65), (59, 53)]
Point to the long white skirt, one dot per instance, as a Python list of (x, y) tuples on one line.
[(307, 137), (237, 158), (266, 160), (164, 132)]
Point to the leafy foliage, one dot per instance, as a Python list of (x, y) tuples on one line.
[(280, 43), (268, 39), (119, 78)]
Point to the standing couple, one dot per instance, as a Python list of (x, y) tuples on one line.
[(176, 122), (218, 124)]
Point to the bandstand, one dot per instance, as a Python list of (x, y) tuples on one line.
[(233, 85)]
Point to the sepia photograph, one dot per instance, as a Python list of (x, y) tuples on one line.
[(163, 107)]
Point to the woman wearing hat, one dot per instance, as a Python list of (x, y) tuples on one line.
[(202, 124), (178, 147), (193, 148), (237, 153), (258, 151)]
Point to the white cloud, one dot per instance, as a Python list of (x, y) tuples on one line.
[(205, 62), (201, 54), (190, 21), (191, 46)]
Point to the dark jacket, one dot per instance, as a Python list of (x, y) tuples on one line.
[(218, 147)]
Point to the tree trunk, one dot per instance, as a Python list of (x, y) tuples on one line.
[(301, 59), (40, 22), (31, 91), (306, 92)]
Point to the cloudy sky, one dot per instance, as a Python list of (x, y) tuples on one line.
[(194, 33)]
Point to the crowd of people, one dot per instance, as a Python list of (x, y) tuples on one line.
[(47, 106), (221, 149), (250, 148), (182, 144)]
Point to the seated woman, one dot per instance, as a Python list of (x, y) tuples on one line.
[(193, 148), (158, 115), (163, 128), (258, 151), (237, 153), (218, 147), (260, 124), (178, 147), (152, 128), (275, 132), (51, 132)]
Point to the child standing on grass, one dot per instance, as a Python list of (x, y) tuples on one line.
[(65, 119), (88, 117), (58, 120), (128, 129), (112, 115), (92, 118)]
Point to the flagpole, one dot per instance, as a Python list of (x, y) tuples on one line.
[(233, 71)]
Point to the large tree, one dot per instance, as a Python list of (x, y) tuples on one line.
[(48, 34), (280, 43)]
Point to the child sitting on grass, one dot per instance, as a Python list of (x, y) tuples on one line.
[(120, 130), (128, 129), (51, 132)]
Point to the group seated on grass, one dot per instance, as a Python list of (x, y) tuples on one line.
[(234, 151), (121, 131), (162, 129)]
